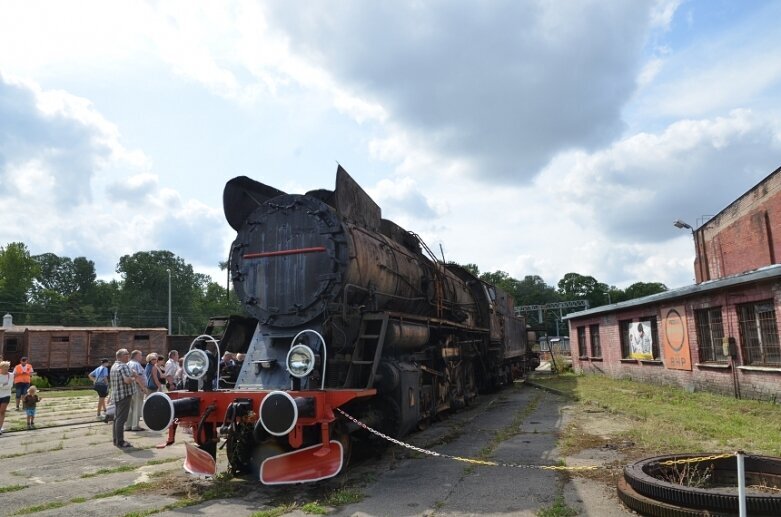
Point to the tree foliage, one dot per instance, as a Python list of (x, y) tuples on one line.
[(48, 289), (17, 272)]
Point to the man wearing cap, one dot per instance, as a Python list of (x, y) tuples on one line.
[(22, 378)]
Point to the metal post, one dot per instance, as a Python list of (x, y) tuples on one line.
[(169, 301), (741, 485)]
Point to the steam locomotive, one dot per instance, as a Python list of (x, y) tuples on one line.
[(346, 311)]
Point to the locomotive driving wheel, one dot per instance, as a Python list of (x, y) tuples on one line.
[(340, 433)]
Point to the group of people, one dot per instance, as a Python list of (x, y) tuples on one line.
[(127, 382), (19, 382)]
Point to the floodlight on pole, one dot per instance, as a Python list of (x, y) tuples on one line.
[(681, 224), (169, 301)]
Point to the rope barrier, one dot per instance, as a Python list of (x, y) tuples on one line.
[(491, 463)]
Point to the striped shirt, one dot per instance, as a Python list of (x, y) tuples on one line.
[(120, 390)]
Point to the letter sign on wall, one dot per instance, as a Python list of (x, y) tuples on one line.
[(675, 339)]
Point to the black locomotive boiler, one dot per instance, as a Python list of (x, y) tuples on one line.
[(347, 310)]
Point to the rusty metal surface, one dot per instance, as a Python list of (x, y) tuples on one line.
[(353, 203)]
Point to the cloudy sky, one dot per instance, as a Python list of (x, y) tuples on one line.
[(533, 137)]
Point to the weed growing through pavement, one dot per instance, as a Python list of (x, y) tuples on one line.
[(314, 508), (343, 496), (40, 507), (276, 511), (11, 488), (559, 508)]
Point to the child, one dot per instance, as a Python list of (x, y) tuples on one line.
[(29, 401)]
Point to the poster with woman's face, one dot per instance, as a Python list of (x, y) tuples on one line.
[(640, 341)]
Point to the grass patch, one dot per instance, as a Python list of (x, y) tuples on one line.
[(128, 468), (692, 422), (127, 490), (344, 496), (314, 508), (40, 507), (276, 511), (559, 508), (11, 488), (112, 470), (59, 394)]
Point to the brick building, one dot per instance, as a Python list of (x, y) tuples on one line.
[(720, 334)]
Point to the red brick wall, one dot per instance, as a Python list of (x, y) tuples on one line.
[(744, 236), (713, 377)]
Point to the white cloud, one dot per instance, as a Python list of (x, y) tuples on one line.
[(69, 186)]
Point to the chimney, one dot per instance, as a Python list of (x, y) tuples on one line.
[(8, 321)]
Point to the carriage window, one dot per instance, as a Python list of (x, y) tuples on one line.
[(141, 337), (60, 339)]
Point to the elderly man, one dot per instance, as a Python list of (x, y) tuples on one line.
[(123, 386), (137, 402), (170, 369)]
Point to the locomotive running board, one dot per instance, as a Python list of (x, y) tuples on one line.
[(303, 465), (198, 462)]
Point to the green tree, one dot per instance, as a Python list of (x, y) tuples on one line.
[(533, 290), (640, 289), (17, 272), (574, 286), (144, 296)]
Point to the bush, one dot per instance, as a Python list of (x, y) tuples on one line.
[(40, 382)]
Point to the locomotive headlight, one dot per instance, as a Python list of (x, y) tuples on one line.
[(300, 361), (195, 364)]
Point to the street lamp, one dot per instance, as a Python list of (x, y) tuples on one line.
[(680, 224), (169, 301)]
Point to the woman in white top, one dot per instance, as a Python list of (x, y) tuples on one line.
[(6, 384)]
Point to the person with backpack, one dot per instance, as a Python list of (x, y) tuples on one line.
[(99, 378)]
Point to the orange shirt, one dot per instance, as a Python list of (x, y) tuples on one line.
[(22, 373)]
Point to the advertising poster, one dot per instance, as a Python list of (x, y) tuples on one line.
[(640, 341), (675, 339)]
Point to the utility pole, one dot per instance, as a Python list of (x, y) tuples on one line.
[(169, 301)]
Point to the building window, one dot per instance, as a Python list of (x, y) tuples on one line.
[(596, 347), (623, 331), (582, 352), (710, 331), (759, 333), (654, 335)]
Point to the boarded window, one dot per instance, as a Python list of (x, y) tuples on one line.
[(710, 331), (582, 352), (623, 331), (11, 345), (759, 334), (654, 335), (596, 347)]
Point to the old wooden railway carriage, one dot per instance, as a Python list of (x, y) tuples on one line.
[(347, 310)]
